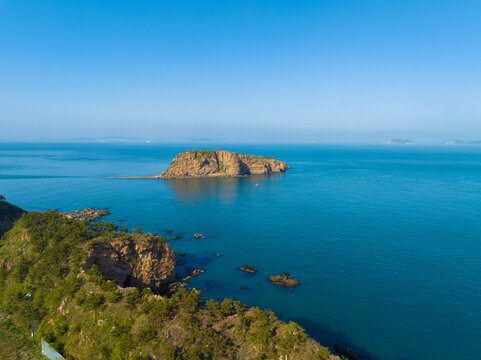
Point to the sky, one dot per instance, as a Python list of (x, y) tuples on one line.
[(334, 71)]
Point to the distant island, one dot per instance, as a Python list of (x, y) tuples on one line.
[(217, 163), (398, 142), (461, 142)]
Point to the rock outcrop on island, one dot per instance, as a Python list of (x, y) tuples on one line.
[(210, 163), (138, 260)]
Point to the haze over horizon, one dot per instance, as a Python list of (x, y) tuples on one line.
[(308, 71)]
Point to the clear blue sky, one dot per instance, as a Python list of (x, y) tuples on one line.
[(328, 71)]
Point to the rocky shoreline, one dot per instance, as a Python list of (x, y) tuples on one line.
[(146, 261), (88, 214)]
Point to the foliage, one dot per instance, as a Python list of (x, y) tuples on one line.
[(14, 343)]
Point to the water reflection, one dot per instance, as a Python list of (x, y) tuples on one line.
[(226, 189)]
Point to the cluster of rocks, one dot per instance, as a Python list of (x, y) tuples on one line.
[(283, 280), (88, 214), (280, 280)]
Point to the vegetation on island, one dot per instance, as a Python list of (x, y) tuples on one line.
[(84, 316)]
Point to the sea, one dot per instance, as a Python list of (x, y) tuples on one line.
[(385, 240)]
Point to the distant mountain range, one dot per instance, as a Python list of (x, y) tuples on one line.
[(462, 142), (398, 142), (121, 139)]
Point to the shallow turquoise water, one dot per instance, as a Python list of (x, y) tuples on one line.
[(386, 241)]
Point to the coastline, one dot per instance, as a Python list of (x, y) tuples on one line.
[(123, 282)]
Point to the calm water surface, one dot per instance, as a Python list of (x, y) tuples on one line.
[(386, 241)]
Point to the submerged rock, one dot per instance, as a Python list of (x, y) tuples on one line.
[(210, 163), (194, 271), (248, 269), (283, 280), (346, 352)]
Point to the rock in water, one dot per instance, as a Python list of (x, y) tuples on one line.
[(248, 269), (194, 271), (283, 280), (210, 163), (140, 260), (346, 352)]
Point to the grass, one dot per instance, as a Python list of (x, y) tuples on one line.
[(14, 343)]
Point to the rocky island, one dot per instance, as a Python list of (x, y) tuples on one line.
[(214, 163), (283, 280), (248, 269)]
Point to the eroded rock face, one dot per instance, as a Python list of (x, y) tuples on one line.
[(140, 260), (220, 163)]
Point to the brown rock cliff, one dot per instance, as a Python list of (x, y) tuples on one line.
[(209, 163), (139, 260)]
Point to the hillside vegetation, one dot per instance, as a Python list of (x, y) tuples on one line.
[(8, 215), (85, 316)]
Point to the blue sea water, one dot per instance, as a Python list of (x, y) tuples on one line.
[(385, 241)]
